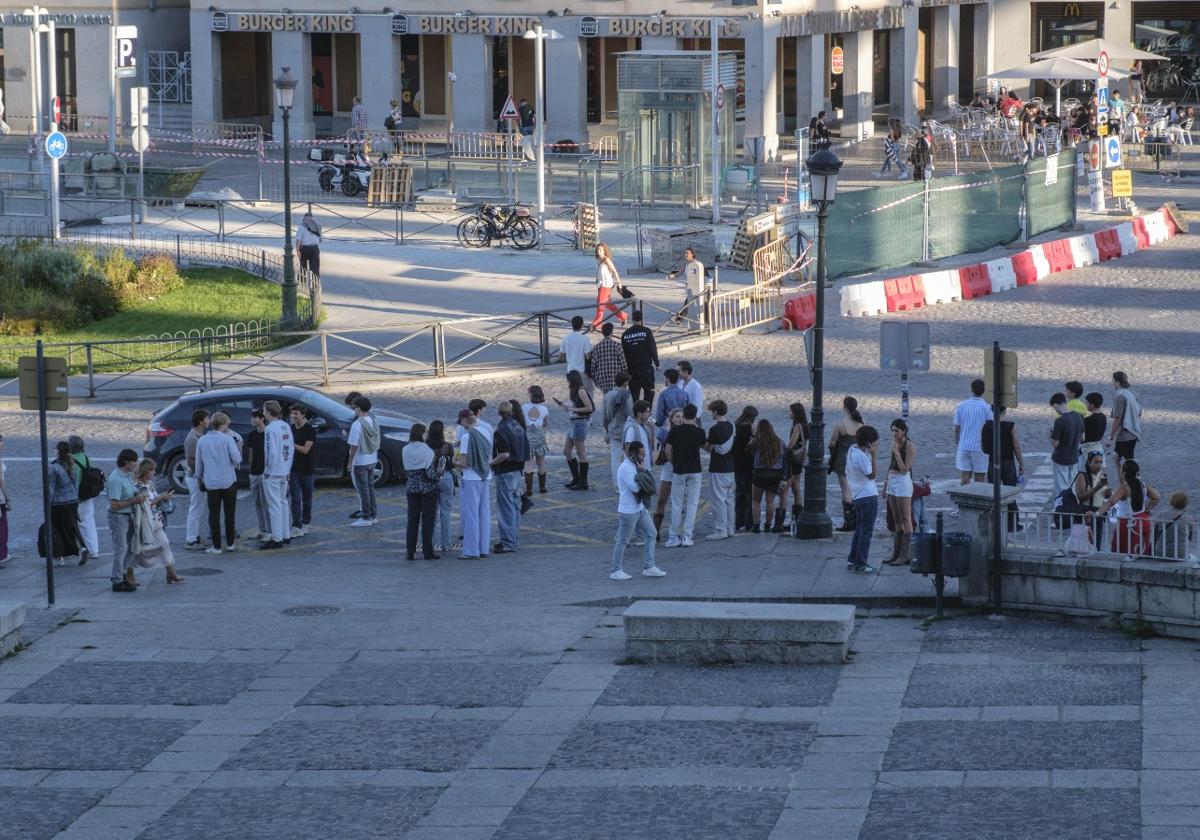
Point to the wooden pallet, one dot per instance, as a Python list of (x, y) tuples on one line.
[(750, 234), (587, 225), (391, 183)]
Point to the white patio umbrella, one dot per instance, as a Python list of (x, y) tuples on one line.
[(1090, 51), (1058, 72)]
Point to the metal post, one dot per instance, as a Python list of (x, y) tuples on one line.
[(41, 375), (289, 270), (36, 39), (91, 370), (539, 69), (997, 538), (715, 25), (904, 393), (112, 81), (544, 337), (939, 579), (325, 359), (814, 520)]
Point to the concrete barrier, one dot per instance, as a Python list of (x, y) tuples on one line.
[(859, 299), (730, 632), (1000, 273), (941, 286), (1129, 243), (1084, 250)]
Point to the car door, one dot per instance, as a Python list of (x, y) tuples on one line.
[(238, 410), (329, 452)]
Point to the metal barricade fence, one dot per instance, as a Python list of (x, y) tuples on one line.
[(1167, 536)]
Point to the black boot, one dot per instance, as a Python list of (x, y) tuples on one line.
[(796, 511), (528, 484), (849, 520), (658, 521), (542, 483), (574, 465), (583, 476), (778, 529)]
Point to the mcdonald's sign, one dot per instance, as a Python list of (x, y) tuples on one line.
[(1071, 10)]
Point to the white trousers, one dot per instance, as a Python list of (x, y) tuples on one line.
[(476, 512), (277, 507), (87, 526), (197, 512), (723, 502)]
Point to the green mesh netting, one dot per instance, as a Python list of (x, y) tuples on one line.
[(969, 213), (873, 229), (1051, 206)]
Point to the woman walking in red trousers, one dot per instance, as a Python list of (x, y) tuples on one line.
[(607, 282)]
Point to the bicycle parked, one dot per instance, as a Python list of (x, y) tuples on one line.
[(490, 222)]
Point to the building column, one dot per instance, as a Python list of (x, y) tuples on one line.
[(206, 69), (903, 69), (984, 22), (1012, 23), (1118, 28), (470, 61), (294, 51), (858, 80), (379, 71), (566, 88), (762, 85), (945, 58), (810, 78), (18, 85)]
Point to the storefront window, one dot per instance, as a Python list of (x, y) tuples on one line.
[(881, 77), (1060, 25), (1178, 41)]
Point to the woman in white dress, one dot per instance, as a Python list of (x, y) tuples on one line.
[(152, 547)]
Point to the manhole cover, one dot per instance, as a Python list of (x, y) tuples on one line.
[(314, 609), (200, 571)]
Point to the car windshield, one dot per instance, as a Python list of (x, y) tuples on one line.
[(330, 408)]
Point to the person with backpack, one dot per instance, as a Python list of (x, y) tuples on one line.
[(64, 507), (308, 238), (921, 156), (89, 481), (636, 487), (392, 123)]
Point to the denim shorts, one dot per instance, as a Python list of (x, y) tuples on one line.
[(578, 429)]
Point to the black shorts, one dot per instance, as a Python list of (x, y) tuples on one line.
[(1124, 448)]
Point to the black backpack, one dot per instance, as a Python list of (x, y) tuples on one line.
[(91, 484), (389, 122)]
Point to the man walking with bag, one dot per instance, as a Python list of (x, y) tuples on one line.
[(636, 487)]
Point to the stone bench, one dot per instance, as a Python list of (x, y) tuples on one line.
[(727, 632), (12, 616)]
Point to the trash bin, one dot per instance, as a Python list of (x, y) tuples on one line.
[(923, 546), (956, 554)]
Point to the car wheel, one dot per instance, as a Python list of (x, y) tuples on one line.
[(177, 472), (383, 470)]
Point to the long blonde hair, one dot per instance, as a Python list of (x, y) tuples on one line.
[(144, 468)]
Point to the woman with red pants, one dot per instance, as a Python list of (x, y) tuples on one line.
[(1132, 501), (607, 281)]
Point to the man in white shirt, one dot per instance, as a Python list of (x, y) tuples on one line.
[(574, 349), (632, 517), (364, 440), (691, 386), (693, 286), (969, 417), (278, 452), (860, 473), (308, 238), (475, 460)]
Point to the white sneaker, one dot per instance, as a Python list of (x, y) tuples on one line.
[(297, 532), (231, 547), (653, 571), (211, 550), (719, 535), (253, 534), (620, 575), (686, 542), (372, 522), (362, 523), (303, 531), (672, 542)]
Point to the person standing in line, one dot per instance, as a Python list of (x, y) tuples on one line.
[(1065, 437), (671, 398), (769, 456), (537, 417), (300, 482), (607, 282), (898, 489), (608, 360), (575, 348), (5, 505), (358, 120), (860, 472), (1094, 426), (87, 503), (1126, 419), (632, 517), (641, 359), (64, 506), (308, 237), (691, 386), (510, 448), (969, 417), (693, 287), (1011, 461), (349, 401), (364, 440), (279, 452), (256, 458), (477, 406), (217, 460), (196, 497), (665, 476), (152, 546), (720, 471), (616, 409), (797, 451), (639, 427), (122, 496), (743, 468), (518, 417), (443, 450), (393, 123), (1073, 391), (841, 439), (475, 460), (423, 468), (580, 410), (684, 443)]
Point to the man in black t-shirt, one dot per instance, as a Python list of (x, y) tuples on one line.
[(720, 471), (255, 453), (304, 437), (683, 446)]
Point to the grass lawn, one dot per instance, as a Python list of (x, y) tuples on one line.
[(209, 298)]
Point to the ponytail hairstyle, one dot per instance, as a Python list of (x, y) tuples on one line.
[(1121, 378), (1137, 490), (851, 406), (64, 457)]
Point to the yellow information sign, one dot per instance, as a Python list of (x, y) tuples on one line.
[(1122, 183)]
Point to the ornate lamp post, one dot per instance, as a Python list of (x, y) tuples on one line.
[(823, 167), (285, 97)]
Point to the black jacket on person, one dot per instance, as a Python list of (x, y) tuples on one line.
[(641, 351), (743, 458)]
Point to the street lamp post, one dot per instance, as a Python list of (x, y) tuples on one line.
[(285, 96), (539, 35), (823, 167)]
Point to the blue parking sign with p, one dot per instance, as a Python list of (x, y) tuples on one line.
[(56, 145)]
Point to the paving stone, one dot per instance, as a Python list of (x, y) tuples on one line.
[(603, 813), (84, 743), (448, 683), (977, 634), (1024, 685), (367, 745), (597, 744), (362, 813), (1015, 745), (42, 812), (179, 683), (1002, 814), (747, 685)]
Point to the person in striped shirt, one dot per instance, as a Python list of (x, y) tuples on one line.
[(969, 417)]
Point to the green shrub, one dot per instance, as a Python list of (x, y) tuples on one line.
[(155, 275), (93, 298), (52, 269)]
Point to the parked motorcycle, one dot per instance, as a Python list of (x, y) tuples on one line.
[(352, 173)]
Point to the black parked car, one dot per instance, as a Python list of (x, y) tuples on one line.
[(330, 418)]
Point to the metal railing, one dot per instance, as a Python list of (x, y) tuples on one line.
[(1166, 535)]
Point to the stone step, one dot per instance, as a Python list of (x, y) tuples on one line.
[(12, 617), (728, 631)]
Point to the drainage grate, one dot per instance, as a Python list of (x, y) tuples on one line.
[(313, 609), (200, 571)]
